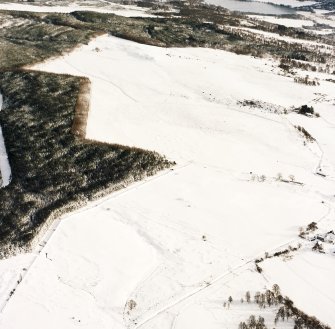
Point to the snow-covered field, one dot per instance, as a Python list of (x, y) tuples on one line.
[(320, 18), (167, 252), (323, 48), (317, 17), (290, 3), (121, 10), (309, 23), (311, 272), (5, 171), (252, 7), (289, 22)]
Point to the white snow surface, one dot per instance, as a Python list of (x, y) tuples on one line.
[(5, 171), (306, 272), (180, 243), (290, 3), (319, 18), (289, 22), (324, 48), (121, 10)]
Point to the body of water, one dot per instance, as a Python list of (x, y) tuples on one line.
[(252, 7)]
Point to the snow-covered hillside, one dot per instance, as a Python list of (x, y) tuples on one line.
[(167, 252)]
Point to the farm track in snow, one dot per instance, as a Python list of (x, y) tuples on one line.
[(39, 250), (243, 266)]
